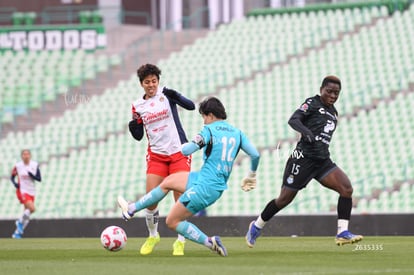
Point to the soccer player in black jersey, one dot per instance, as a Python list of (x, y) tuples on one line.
[(316, 120)]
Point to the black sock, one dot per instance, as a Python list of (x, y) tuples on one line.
[(270, 210), (344, 208)]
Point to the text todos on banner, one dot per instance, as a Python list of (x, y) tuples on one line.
[(37, 40)]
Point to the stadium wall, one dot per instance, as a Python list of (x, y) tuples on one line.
[(311, 225)]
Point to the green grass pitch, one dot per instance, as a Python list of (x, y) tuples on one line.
[(271, 255)]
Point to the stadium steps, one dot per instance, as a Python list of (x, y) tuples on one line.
[(148, 47)]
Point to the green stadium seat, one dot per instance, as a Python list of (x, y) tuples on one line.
[(18, 18), (29, 18), (260, 105)]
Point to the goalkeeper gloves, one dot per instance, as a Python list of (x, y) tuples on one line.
[(249, 183)]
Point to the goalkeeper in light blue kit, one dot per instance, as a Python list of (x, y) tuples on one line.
[(221, 142)]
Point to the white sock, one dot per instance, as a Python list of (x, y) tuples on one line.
[(132, 208), (208, 243), (181, 238), (342, 225), (151, 219), (25, 219), (260, 223)]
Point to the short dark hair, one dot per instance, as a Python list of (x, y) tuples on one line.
[(214, 106), (25, 150), (331, 79), (146, 70)]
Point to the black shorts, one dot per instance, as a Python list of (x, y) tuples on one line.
[(300, 171)]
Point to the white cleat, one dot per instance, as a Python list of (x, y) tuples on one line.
[(123, 204)]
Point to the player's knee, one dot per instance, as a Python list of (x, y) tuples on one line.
[(345, 190), (171, 223), (348, 190), (32, 209)]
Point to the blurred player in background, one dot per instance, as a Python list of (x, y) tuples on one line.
[(316, 120), (156, 111), (221, 142), (27, 172)]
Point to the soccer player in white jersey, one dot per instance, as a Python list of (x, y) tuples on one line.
[(27, 172), (156, 112), (221, 143)]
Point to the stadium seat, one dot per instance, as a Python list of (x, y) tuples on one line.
[(102, 155)]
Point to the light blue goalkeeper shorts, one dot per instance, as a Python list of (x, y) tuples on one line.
[(198, 194)]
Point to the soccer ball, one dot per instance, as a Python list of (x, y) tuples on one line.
[(113, 238)]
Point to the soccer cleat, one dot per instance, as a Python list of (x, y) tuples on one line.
[(149, 245), (178, 248), (252, 234), (346, 237), (217, 246), (19, 227), (123, 204), (16, 235)]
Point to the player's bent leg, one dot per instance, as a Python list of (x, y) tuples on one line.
[(272, 208), (347, 237), (338, 181), (176, 182)]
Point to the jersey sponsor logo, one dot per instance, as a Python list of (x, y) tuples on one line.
[(154, 117), (322, 111), (304, 107), (329, 127), (159, 129), (162, 99), (323, 140)]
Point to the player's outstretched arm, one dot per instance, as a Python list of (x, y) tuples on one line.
[(189, 148), (179, 99), (251, 150), (249, 182)]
